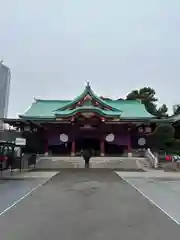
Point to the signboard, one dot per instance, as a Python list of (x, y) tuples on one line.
[(20, 141)]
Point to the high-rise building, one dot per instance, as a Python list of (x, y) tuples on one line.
[(5, 78)]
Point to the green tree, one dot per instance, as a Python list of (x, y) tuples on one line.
[(162, 111), (176, 109), (148, 98), (163, 137)]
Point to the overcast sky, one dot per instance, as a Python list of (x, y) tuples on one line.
[(53, 46)]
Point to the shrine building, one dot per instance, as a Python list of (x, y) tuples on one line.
[(65, 127)]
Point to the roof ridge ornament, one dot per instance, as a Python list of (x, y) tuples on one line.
[(88, 84)]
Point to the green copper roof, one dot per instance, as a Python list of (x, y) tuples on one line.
[(88, 109), (87, 91), (50, 109)]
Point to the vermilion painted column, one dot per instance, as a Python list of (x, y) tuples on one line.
[(102, 148), (73, 148), (129, 146), (46, 147)]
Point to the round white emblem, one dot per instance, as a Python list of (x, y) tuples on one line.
[(64, 137), (141, 141), (110, 137)]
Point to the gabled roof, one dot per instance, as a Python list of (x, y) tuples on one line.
[(87, 91), (82, 109), (123, 109)]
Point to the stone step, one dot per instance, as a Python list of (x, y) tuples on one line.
[(99, 162)]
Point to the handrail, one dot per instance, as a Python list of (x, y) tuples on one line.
[(152, 158)]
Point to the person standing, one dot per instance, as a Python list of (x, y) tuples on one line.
[(87, 154)]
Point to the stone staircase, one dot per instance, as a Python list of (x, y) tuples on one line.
[(144, 164), (122, 163)]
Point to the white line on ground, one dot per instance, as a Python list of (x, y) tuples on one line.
[(148, 198), (27, 194)]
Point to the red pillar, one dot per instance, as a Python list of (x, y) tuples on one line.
[(46, 147), (45, 143), (102, 148), (129, 146), (73, 148)]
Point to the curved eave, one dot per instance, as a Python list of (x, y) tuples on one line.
[(98, 111), (136, 119), (13, 120), (174, 119), (89, 91), (163, 120), (36, 117)]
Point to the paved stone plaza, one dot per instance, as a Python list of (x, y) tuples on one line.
[(89, 204)]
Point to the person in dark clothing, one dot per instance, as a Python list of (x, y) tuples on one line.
[(87, 154)]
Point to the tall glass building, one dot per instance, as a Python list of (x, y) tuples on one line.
[(5, 78)]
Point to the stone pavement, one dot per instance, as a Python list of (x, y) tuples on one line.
[(150, 174), (88, 204), (160, 188), (93, 203), (8, 175)]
